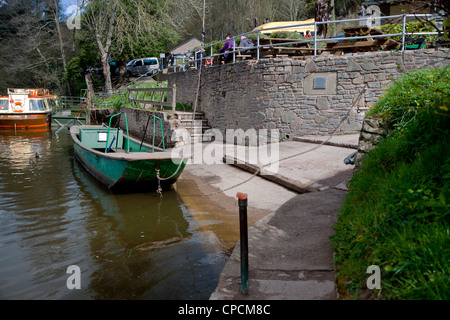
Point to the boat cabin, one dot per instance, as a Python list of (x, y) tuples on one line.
[(100, 139), (27, 101)]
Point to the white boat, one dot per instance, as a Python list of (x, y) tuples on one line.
[(26, 109)]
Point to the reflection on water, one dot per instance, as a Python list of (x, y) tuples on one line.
[(53, 214)]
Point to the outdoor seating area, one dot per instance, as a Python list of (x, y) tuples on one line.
[(372, 42), (353, 39)]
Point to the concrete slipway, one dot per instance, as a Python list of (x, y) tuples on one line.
[(290, 256)]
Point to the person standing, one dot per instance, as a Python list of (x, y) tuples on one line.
[(199, 56)]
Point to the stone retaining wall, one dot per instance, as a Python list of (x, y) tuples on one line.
[(372, 131), (305, 96)]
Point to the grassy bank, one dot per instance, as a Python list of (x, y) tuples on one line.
[(397, 212)]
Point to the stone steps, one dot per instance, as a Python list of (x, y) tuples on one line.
[(195, 125)]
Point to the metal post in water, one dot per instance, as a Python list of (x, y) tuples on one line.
[(242, 201)]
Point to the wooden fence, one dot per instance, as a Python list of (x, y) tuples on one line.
[(133, 95)]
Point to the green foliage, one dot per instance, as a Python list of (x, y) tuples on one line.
[(74, 74), (76, 68), (216, 47), (410, 27), (416, 92), (254, 37), (120, 100), (397, 212), (286, 35)]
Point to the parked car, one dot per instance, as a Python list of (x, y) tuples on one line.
[(143, 66)]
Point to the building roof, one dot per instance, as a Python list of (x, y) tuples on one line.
[(187, 46)]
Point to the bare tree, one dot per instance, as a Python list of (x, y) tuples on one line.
[(293, 10), (33, 31), (100, 19), (122, 26)]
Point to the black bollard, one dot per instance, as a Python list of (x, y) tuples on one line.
[(242, 201)]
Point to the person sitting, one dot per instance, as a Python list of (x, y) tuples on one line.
[(228, 46), (245, 42)]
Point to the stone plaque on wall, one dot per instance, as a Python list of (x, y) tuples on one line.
[(320, 83)]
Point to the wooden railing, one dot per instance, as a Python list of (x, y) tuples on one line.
[(133, 95)]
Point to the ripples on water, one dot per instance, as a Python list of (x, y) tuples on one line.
[(53, 214)]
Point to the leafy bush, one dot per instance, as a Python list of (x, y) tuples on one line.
[(410, 27), (120, 100), (216, 47), (286, 35), (397, 212), (254, 37), (416, 92)]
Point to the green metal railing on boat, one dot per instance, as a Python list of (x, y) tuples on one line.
[(154, 132), (109, 127)]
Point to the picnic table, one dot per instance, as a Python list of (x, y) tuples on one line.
[(277, 47), (275, 41), (362, 45), (288, 51)]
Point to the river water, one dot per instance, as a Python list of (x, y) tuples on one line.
[(53, 214)]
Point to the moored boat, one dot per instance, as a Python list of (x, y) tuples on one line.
[(122, 162), (26, 109)]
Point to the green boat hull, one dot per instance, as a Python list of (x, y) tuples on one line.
[(125, 172)]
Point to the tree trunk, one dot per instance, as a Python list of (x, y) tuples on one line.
[(61, 44), (107, 75), (58, 30), (104, 50)]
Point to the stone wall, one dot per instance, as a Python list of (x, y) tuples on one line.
[(372, 131), (309, 95)]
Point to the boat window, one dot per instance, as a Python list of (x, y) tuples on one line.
[(3, 104), (36, 105)]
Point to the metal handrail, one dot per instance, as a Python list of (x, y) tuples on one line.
[(154, 132), (315, 40), (109, 127)]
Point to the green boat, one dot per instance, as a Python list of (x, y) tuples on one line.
[(124, 163)]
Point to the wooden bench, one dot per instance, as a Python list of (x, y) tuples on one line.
[(245, 53), (275, 41), (287, 51)]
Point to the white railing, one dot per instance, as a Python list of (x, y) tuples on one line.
[(370, 21)]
